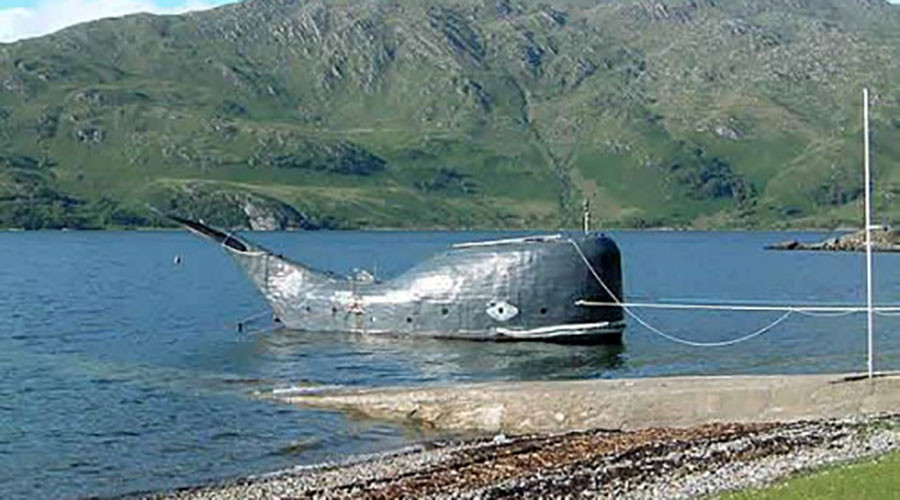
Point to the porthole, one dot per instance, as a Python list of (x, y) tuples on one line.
[(408, 319), (445, 311), (502, 310), (543, 310)]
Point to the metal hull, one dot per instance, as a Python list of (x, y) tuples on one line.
[(510, 290)]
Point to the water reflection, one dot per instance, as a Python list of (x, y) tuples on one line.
[(435, 360)]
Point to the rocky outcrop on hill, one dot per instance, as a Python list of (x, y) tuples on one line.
[(231, 208)]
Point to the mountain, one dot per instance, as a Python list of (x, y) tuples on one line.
[(455, 113)]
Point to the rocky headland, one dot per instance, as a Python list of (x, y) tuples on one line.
[(884, 239)]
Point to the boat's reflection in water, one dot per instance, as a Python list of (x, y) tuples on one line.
[(346, 358)]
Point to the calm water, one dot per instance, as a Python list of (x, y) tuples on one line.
[(120, 371)]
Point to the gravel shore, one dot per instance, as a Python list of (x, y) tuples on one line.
[(650, 463)]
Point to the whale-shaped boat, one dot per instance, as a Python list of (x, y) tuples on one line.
[(525, 289)]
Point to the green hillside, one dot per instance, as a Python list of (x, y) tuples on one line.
[(455, 113)]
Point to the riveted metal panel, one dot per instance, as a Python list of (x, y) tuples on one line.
[(449, 294)]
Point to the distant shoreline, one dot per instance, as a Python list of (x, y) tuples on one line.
[(660, 229)]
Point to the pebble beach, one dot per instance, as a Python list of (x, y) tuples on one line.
[(646, 463)]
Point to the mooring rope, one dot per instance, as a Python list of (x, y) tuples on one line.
[(822, 311), (723, 343), (811, 310), (265, 330), (249, 319), (254, 316), (836, 314)]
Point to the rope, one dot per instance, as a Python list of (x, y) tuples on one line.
[(627, 308), (255, 316), (249, 319), (724, 343), (814, 314), (827, 311), (737, 307), (265, 330)]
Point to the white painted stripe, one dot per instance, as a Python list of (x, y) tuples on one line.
[(557, 330)]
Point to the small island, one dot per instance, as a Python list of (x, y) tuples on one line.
[(884, 239)]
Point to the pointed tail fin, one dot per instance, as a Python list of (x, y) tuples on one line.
[(211, 233)]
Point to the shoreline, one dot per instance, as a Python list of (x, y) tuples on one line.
[(675, 437), (662, 229), (640, 464)]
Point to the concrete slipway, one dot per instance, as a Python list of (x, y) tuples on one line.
[(625, 404)]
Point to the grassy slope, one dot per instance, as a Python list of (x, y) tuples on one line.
[(873, 480), (454, 113)]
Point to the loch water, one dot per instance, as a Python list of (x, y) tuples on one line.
[(122, 370)]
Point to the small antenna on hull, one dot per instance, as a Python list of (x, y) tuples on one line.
[(586, 216)]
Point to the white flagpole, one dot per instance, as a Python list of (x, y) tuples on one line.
[(868, 201)]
